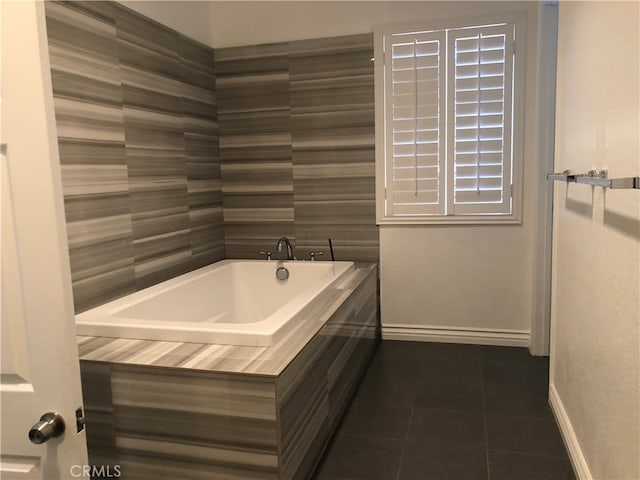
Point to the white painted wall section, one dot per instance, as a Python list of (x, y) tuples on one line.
[(479, 283), (467, 284), (595, 348), (191, 18), (255, 22)]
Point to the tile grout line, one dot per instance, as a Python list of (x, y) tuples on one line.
[(406, 441), (528, 454), (484, 419)]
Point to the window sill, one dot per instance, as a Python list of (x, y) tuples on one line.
[(451, 220)]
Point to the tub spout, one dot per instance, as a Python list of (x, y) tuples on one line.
[(284, 242)]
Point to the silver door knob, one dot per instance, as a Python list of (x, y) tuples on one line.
[(50, 425)]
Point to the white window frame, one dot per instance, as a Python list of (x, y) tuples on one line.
[(514, 216)]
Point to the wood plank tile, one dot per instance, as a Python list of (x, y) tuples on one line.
[(222, 423), (332, 108), (136, 112)]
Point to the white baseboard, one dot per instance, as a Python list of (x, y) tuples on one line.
[(578, 461), (479, 336)]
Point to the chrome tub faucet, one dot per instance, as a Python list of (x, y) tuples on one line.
[(284, 242)]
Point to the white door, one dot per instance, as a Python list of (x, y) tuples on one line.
[(39, 370)]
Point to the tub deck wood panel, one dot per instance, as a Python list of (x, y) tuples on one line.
[(200, 411)]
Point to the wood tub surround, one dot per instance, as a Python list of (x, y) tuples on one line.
[(198, 411)]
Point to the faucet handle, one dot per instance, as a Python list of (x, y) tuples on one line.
[(313, 255), (267, 254)]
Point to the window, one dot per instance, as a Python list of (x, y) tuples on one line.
[(445, 149)]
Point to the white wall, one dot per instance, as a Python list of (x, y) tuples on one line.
[(250, 23), (221, 24), (469, 284), (475, 283), (595, 356), (189, 17)]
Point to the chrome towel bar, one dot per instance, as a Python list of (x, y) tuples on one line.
[(598, 178), (565, 176)]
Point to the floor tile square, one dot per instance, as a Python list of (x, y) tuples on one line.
[(447, 428), (400, 355), (454, 386), (533, 373), (361, 458), (385, 384), (538, 436), (377, 420), (452, 353), (491, 353), (520, 466), (420, 463), (510, 400)]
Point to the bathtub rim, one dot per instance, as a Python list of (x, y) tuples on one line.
[(92, 322)]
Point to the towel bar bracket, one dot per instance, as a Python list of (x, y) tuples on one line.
[(596, 178)]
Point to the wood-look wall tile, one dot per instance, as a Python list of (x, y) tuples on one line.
[(255, 147), (243, 59), (82, 37), (190, 422), (303, 405), (206, 231), (136, 113), (102, 270), (198, 65), (87, 91), (297, 120), (155, 144), (332, 108), (149, 44), (98, 410), (204, 177), (354, 334), (155, 186), (138, 467)]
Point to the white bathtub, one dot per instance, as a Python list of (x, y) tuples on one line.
[(232, 302)]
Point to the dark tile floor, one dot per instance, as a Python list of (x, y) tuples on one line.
[(447, 411)]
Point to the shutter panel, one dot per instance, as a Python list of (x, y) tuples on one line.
[(480, 72), (448, 121), (415, 116)]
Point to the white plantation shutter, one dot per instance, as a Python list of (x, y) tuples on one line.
[(480, 118), (415, 115), (448, 103)]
